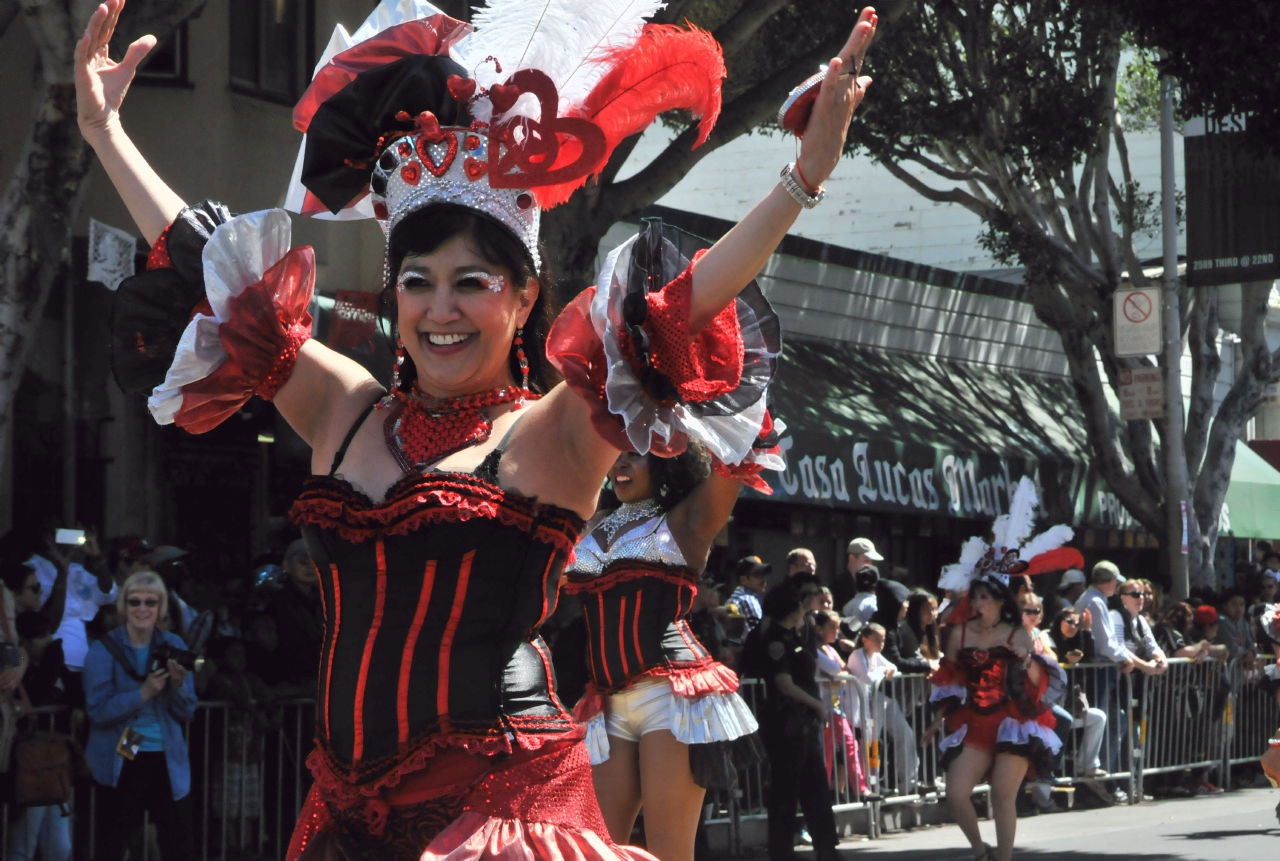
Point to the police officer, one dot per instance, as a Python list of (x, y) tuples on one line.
[(792, 730)]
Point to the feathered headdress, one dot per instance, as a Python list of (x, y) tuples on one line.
[(506, 115), (1013, 550)]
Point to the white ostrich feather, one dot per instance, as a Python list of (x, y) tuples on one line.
[(1051, 539), (1022, 516), (998, 530), (957, 577), (566, 39)]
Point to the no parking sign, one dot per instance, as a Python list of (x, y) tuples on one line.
[(1137, 322)]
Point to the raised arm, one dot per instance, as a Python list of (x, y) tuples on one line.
[(700, 516), (319, 392), (730, 264), (101, 85)]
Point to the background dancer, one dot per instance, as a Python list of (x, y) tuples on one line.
[(995, 691), (438, 526), (663, 715)]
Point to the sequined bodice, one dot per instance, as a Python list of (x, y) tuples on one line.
[(645, 536), (433, 599), (635, 595)]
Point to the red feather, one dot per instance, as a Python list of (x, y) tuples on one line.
[(668, 68), (1055, 560)]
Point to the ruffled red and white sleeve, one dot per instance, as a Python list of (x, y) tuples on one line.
[(708, 385), (217, 318)]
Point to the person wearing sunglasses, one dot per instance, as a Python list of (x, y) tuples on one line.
[(1136, 631), (137, 706)]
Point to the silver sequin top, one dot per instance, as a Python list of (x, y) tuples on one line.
[(649, 540)]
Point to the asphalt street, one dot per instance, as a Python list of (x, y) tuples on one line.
[(1233, 827)]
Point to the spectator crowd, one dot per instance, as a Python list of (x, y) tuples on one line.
[(126, 637)]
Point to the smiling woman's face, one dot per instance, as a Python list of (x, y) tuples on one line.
[(457, 314), (630, 477)]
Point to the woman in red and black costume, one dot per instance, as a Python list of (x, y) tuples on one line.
[(442, 514), (664, 720), (994, 692)]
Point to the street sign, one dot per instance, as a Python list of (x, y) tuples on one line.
[(1137, 322), (1233, 204), (1141, 394)]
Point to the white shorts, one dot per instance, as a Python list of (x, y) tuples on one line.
[(643, 708)]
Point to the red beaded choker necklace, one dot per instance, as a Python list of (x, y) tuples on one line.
[(421, 429)]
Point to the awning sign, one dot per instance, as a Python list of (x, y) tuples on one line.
[(877, 474), (1233, 204), (1137, 320)]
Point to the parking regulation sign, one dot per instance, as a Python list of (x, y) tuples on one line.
[(1137, 322)]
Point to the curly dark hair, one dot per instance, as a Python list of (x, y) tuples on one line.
[(424, 231), (674, 478)]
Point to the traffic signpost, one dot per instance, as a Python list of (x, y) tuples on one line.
[(1137, 322), (1141, 393)]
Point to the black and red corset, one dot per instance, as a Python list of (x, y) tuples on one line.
[(635, 615), (433, 600)]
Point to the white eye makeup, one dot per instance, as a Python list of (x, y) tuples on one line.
[(494, 283), (412, 280)]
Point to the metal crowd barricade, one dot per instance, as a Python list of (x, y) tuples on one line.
[(1252, 716), (1111, 709), (1185, 717), (848, 756)]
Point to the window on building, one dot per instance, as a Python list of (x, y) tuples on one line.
[(166, 65), (272, 48)]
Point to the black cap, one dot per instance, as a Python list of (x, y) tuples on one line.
[(751, 566)]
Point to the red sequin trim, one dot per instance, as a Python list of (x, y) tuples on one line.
[(294, 337), (158, 257), (703, 365), (707, 676), (746, 473), (347, 787), (626, 570), (420, 500)]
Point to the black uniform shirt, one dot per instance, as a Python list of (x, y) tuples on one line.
[(784, 652)]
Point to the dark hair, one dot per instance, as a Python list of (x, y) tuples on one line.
[(928, 636), (424, 231), (866, 578), (31, 625), (1180, 617), (14, 574), (1010, 613), (781, 601), (674, 478)]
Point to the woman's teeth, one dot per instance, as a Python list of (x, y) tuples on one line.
[(439, 339)]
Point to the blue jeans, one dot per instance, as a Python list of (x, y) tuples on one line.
[(45, 829)]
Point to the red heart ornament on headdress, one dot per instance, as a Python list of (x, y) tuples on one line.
[(546, 151), (429, 126), (503, 96), (424, 153), (474, 168), (461, 88)]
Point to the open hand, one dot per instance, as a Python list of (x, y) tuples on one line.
[(101, 83), (842, 91)]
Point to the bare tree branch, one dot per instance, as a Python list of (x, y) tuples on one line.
[(735, 33)]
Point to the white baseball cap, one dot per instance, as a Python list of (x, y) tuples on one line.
[(864, 547)]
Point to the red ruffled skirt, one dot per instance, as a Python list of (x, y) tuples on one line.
[(537, 804)]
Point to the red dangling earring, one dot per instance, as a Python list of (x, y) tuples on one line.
[(395, 368), (522, 360)]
